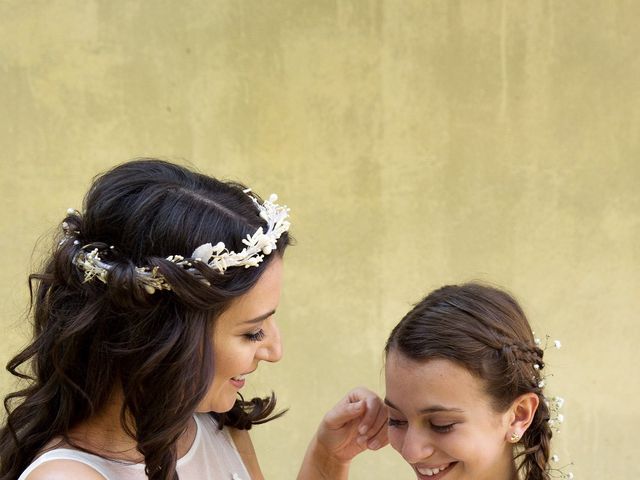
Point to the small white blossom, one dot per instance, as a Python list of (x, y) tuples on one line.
[(541, 383), (554, 458), (203, 252), (557, 344)]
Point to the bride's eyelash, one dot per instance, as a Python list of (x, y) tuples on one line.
[(255, 337)]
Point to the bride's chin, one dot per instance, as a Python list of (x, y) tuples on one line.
[(216, 406)]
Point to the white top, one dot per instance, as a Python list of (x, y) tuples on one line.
[(212, 455)]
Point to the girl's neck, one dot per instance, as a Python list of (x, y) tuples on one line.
[(505, 468), (513, 475)]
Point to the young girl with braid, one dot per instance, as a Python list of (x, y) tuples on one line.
[(157, 302), (464, 389)]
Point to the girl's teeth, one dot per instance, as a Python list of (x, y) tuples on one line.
[(239, 377), (432, 471)]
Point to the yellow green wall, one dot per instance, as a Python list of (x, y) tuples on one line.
[(417, 143)]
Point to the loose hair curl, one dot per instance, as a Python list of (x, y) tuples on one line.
[(484, 330), (91, 337)]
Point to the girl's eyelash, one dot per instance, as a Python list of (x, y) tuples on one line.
[(442, 428), (392, 422), (255, 337)]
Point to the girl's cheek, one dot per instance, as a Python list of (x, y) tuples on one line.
[(396, 437)]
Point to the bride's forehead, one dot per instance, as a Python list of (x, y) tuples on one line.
[(265, 291), (263, 297)]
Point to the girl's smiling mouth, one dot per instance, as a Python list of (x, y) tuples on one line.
[(434, 473)]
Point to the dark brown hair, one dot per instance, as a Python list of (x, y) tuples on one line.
[(484, 330), (90, 337)]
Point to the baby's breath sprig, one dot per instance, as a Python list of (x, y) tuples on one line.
[(539, 379), (559, 472), (554, 405), (557, 344)]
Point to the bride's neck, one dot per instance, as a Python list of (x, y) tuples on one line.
[(104, 435)]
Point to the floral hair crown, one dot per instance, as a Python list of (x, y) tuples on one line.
[(216, 256)]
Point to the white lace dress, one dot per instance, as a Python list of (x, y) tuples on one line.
[(213, 455)]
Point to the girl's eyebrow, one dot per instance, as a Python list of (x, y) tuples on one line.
[(431, 409), (440, 408), (261, 318)]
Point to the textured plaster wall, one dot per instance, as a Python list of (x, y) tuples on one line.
[(417, 143)]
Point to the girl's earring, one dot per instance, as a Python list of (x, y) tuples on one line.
[(515, 437)]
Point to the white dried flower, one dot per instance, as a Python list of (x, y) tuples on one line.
[(203, 253), (258, 245)]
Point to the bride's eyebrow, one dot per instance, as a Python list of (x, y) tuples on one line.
[(261, 318)]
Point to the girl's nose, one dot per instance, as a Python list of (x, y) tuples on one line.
[(416, 447)]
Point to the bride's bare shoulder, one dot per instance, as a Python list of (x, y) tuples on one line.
[(64, 469)]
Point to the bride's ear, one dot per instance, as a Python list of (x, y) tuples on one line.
[(521, 415)]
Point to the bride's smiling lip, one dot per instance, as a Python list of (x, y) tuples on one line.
[(239, 380)]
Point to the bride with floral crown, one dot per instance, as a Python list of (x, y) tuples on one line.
[(156, 305)]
